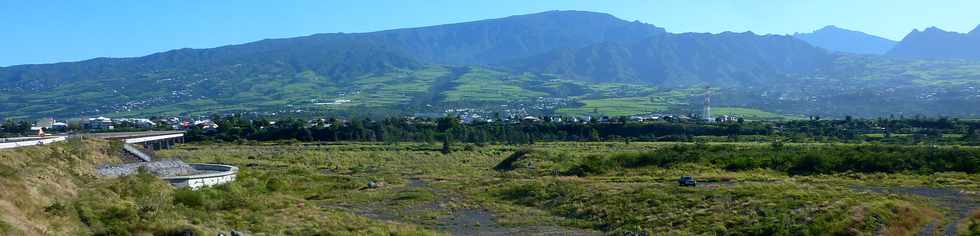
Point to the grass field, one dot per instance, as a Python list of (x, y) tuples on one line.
[(482, 85), (584, 188), (466, 192), (751, 114), (617, 107)]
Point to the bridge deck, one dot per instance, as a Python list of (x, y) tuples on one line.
[(131, 135)]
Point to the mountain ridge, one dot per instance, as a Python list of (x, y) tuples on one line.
[(550, 60), (936, 43), (844, 40), (725, 58)]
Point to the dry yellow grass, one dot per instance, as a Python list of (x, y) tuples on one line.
[(970, 225), (36, 178), (910, 219)]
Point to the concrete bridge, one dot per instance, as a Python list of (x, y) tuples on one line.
[(149, 140), (139, 146)]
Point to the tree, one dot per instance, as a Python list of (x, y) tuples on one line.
[(446, 123), (445, 144)]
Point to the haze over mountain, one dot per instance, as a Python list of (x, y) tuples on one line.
[(497, 40), (515, 42), (683, 59), (558, 61), (845, 40), (935, 43)]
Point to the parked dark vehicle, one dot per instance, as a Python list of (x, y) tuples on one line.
[(687, 181)]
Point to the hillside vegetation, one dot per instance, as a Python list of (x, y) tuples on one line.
[(37, 181), (54, 189), (572, 187), (616, 188), (533, 63)]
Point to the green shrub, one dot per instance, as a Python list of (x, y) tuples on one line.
[(792, 160), (6, 228), (275, 184), (7, 172), (189, 198), (508, 163), (57, 209)]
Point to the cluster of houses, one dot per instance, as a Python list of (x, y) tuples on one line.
[(470, 118), (51, 125), (101, 123)]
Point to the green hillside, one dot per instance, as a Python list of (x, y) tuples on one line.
[(520, 65)]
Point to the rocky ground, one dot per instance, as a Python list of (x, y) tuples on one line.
[(163, 168)]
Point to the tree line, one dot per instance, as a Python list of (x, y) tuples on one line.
[(451, 130)]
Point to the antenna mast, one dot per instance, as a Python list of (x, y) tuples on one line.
[(707, 103)]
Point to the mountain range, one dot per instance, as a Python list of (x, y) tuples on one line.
[(683, 59), (935, 43), (564, 62), (849, 41)]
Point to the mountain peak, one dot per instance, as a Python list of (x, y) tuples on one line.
[(569, 14), (839, 39), (933, 29), (829, 27), (935, 43), (574, 13), (976, 31)]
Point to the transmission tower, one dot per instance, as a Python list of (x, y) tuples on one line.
[(707, 103)]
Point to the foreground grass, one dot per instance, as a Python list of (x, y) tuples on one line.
[(427, 188), (53, 189), (582, 188), (34, 179)]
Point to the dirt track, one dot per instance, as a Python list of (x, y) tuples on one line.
[(459, 221)]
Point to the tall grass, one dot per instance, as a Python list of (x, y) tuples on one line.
[(795, 160)]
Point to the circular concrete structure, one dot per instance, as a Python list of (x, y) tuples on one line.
[(215, 174)]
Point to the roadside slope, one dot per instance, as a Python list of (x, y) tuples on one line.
[(35, 180)]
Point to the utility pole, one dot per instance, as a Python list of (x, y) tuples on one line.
[(707, 103)]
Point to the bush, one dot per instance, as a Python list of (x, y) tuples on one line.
[(275, 184), (508, 163), (189, 198), (792, 160)]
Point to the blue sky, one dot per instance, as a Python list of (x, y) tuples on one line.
[(68, 30)]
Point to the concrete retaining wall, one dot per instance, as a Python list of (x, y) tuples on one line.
[(220, 174), (40, 141)]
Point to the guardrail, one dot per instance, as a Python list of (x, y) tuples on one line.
[(220, 174), (40, 141)]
